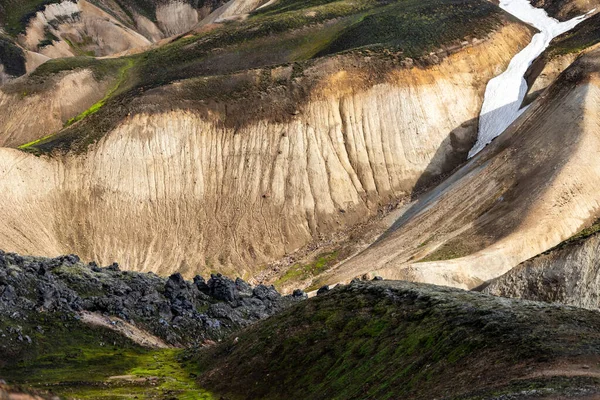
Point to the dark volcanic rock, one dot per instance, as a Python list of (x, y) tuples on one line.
[(178, 311)]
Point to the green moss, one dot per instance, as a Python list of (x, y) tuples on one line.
[(448, 251), (417, 26), (97, 106), (31, 146), (301, 272), (76, 361), (386, 340)]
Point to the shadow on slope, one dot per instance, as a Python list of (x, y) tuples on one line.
[(511, 187)]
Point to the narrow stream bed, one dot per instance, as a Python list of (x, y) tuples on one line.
[(505, 93)]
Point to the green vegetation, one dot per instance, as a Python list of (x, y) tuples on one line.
[(96, 107), (101, 68), (386, 340), (448, 251), (416, 26), (301, 272), (217, 66), (584, 35), (76, 360)]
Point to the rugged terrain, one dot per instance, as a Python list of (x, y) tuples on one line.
[(567, 274), (526, 192), (46, 29), (71, 326), (242, 146), (384, 340)]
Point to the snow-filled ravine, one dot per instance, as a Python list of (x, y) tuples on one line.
[(505, 93)]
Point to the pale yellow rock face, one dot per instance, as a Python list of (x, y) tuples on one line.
[(176, 17), (25, 117), (175, 191), (80, 23), (532, 188)]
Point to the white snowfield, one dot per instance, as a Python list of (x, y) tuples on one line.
[(505, 93)]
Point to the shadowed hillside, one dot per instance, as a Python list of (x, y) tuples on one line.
[(388, 340)]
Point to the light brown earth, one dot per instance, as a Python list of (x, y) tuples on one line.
[(132, 332), (177, 191), (532, 188)]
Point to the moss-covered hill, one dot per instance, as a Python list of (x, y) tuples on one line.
[(235, 62), (391, 340)]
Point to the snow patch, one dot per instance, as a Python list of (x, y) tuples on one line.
[(505, 93)]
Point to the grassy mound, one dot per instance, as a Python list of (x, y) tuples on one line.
[(388, 340)]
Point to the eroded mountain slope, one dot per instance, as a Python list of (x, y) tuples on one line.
[(568, 274), (532, 188), (45, 29), (236, 170)]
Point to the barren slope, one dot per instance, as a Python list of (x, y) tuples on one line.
[(229, 172), (568, 274), (529, 190)]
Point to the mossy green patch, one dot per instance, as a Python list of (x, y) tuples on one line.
[(97, 106), (389, 340), (80, 361), (448, 251), (301, 272)]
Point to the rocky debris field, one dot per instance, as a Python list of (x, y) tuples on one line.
[(179, 312)]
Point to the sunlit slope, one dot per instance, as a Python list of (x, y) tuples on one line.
[(233, 146), (533, 187)]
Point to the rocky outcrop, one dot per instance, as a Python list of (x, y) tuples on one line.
[(16, 393), (532, 188), (568, 275), (180, 190), (176, 311)]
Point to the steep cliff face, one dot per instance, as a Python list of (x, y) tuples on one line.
[(569, 274), (184, 190), (529, 190)]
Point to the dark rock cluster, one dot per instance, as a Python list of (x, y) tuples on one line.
[(178, 311)]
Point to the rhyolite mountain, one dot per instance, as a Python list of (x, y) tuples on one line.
[(243, 141), (222, 151)]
